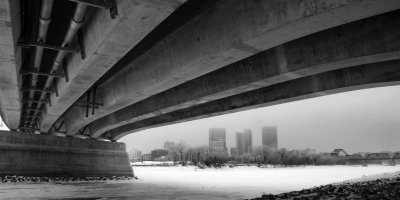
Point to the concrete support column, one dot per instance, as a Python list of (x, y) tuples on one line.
[(45, 155)]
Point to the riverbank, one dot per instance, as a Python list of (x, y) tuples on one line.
[(368, 187), (60, 179)]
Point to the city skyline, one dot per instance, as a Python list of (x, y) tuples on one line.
[(245, 143)]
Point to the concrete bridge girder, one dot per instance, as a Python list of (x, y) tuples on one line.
[(105, 40), (348, 45), (224, 34), (10, 63), (332, 82)]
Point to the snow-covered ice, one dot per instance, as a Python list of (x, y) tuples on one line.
[(249, 182), (152, 163), (193, 183)]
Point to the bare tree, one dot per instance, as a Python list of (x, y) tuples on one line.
[(283, 156), (260, 155), (173, 154), (181, 148), (265, 154), (200, 154), (256, 154)]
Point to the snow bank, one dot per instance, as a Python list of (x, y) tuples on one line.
[(386, 175), (250, 181)]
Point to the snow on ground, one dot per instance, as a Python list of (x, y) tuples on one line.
[(152, 163), (386, 175), (250, 182), (192, 183)]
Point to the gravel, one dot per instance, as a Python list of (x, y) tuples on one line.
[(385, 188), (30, 179)]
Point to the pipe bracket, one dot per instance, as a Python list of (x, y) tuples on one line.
[(47, 46), (106, 4)]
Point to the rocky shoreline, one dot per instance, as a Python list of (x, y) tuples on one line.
[(382, 188), (30, 179)]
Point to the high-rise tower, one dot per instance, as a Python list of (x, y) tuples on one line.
[(270, 136), (217, 140), (244, 141)]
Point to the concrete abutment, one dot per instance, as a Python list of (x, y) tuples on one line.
[(46, 155)]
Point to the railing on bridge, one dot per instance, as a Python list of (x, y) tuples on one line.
[(354, 157), (378, 156), (368, 156)]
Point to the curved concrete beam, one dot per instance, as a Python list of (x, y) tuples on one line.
[(332, 82), (105, 40), (348, 45), (10, 63), (227, 32)]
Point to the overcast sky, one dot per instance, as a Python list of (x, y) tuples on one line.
[(363, 120)]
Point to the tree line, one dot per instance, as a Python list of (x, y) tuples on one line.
[(261, 156)]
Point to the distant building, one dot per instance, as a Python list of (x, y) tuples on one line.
[(168, 144), (134, 155), (240, 143), (310, 151), (270, 136), (248, 138), (244, 141), (146, 157), (156, 154), (234, 151), (217, 140)]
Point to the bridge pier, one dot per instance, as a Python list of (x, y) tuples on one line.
[(46, 155), (364, 163), (392, 162)]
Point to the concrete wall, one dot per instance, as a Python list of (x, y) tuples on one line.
[(45, 155)]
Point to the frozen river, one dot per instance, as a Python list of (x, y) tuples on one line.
[(193, 183)]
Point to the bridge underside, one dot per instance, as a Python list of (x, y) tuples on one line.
[(95, 70)]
